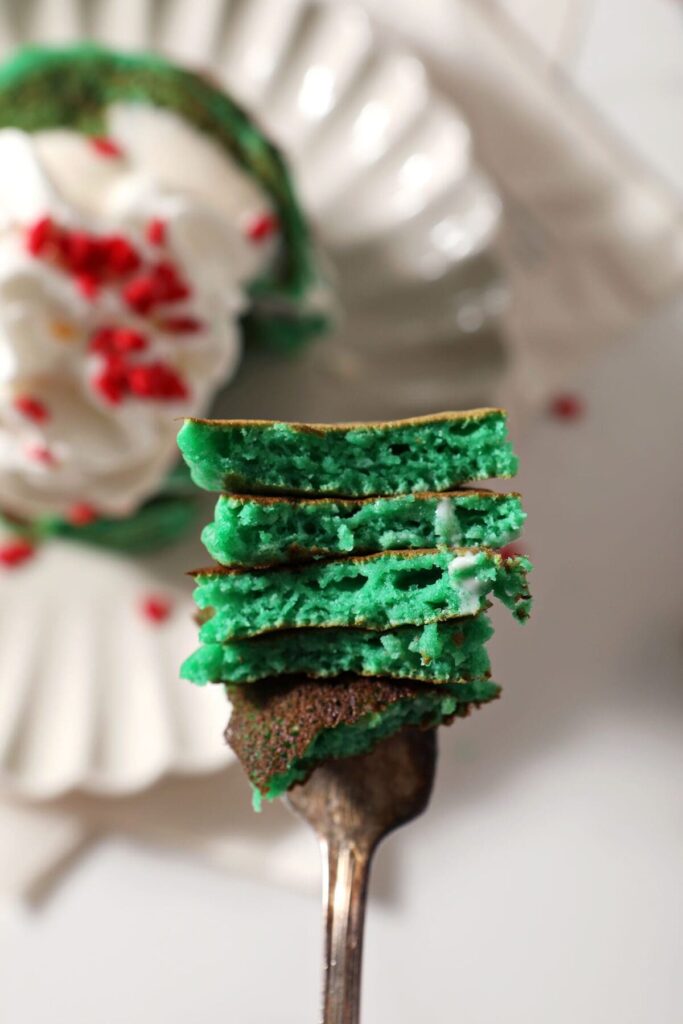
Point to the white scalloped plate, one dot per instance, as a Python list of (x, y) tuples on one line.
[(89, 694)]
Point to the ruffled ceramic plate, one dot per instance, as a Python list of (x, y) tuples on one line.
[(90, 697)]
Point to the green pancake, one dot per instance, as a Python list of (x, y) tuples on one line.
[(427, 453), (252, 530), (281, 731), (393, 588), (72, 87), (442, 652), (339, 653)]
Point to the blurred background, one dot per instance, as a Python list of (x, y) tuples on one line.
[(496, 188)]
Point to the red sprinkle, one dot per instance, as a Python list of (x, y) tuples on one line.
[(41, 453), (106, 146), (120, 257), (117, 340), (39, 235), (176, 292), (32, 408), (81, 514), (262, 226), (181, 325), (161, 284), (156, 380), (156, 608), (140, 293), (118, 378), (102, 340), (81, 252), (88, 285), (513, 551), (567, 407), (168, 285), (14, 552), (156, 231), (126, 340), (111, 382), (98, 259)]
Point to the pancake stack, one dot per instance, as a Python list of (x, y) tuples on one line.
[(354, 576)]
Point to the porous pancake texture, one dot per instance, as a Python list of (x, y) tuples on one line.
[(439, 653), (251, 531), (393, 588), (428, 453)]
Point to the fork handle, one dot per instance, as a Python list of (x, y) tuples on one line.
[(346, 868)]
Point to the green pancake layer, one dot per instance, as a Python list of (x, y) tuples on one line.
[(250, 531), (393, 588), (429, 453), (72, 88), (442, 652), (281, 731)]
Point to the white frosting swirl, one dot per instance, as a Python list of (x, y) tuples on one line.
[(66, 439)]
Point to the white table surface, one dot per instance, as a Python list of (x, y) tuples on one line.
[(544, 882), (625, 56)]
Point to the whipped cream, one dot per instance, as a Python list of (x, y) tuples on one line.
[(470, 587), (446, 525), (123, 268)]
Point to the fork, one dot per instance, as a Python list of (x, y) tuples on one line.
[(352, 804)]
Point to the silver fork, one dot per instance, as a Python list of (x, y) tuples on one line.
[(352, 804)]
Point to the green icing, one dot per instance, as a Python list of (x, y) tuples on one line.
[(251, 532), (439, 652), (426, 709), (157, 523), (380, 592), (428, 454), (41, 88), (283, 332)]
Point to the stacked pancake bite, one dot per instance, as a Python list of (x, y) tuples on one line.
[(354, 576)]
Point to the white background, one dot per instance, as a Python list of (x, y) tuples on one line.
[(625, 55), (544, 882)]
